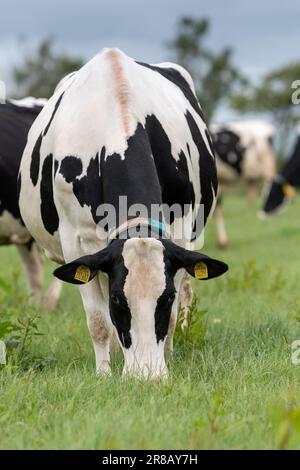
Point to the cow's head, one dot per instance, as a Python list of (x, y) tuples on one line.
[(276, 196), (141, 293), (229, 148)]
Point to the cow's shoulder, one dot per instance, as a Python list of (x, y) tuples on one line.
[(179, 73), (180, 77)]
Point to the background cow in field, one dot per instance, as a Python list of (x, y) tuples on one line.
[(16, 118), (281, 190), (115, 128), (244, 151)]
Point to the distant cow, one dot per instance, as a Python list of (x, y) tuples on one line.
[(16, 118), (243, 152), (281, 189), (121, 128)]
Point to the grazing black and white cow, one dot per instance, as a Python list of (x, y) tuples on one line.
[(120, 128), (281, 190), (16, 118), (244, 151)]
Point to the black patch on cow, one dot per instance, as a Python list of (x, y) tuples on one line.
[(48, 210), (134, 176), (188, 149), (175, 77), (15, 122), (228, 146), (176, 187), (2, 208), (88, 188), (164, 303), (208, 172), (35, 157), (121, 318), (71, 168), (290, 174), (119, 310), (35, 160), (291, 169), (275, 198), (53, 114), (102, 154)]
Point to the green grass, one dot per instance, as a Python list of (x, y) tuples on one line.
[(233, 387)]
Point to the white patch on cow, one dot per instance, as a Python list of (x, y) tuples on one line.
[(64, 81), (144, 284), (29, 102)]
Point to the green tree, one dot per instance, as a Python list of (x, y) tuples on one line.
[(215, 77), (273, 97), (42, 69)]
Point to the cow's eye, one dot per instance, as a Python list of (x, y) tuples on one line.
[(171, 298), (115, 299)]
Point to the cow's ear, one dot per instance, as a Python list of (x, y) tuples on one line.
[(196, 264), (84, 269)]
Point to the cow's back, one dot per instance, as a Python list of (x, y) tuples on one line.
[(90, 122)]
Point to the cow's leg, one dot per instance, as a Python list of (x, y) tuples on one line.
[(94, 295), (251, 191), (185, 298), (52, 295), (172, 326), (33, 266), (174, 313), (99, 323), (222, 237)]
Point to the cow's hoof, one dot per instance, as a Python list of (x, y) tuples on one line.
[(103, 369), (223, 245), (50, 303), (169, 346)]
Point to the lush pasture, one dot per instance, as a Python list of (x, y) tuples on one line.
[(232, 384)]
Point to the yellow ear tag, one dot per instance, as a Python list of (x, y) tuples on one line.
[(288, 190), (200, 270), (82, 274)]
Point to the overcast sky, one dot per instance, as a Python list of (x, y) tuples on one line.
[(263, 33)]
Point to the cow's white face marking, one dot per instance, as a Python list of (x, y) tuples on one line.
[(144, 284)]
